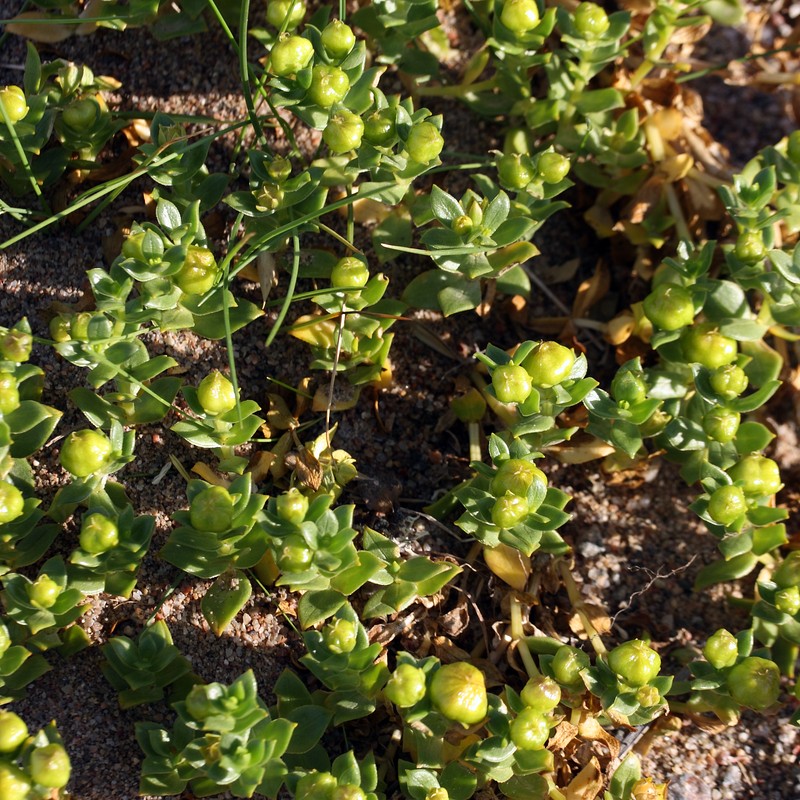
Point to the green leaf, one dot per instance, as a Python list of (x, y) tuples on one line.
[(525, 787), (444, 206), (721, 571), (31, 424), (596, 100), (316, 607), (311, 722), (225, 598)]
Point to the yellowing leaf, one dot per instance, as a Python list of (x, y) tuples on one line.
[(40, 27), (509, 565)]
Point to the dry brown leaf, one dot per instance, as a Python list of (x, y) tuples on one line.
[(259, 465), (564, 733), (345, 397), (39, 26), (207, 474), (590, 728), (598, 616), (509, 565), (558, 273), (265, 270), (279, 417), (620, 328), (581, 452), (587, 784), (306, 467), (549, 325), (591, 291), (455, 621)]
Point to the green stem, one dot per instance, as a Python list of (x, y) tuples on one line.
[(579, 606), (96, 194), (518, 636), (226, 318), (287, 301), (474, 441), (460, 90), (23, 157)]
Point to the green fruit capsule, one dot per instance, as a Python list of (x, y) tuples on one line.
[(728, 381), (591, 21), (199, 271), (348, 792), (458, 692), (424, 143), (343, 131), (12, 503), (82, 115), (516, 476), (316, 786), (463, 225), (635, 662), (541, 693), (13, 731), (14, 104), (669, 307), (721, 649), (755, 683), (788, 571), (49, 766), (43, 592), (511, 383), (515, 170), (509, 510), (16, 346), (567, 664), (294, 555), (788, 600), (329, 85), (721, 424), (406, 687), (99, 533), (629, 386), (552, 167), (703, 344), (380, 128), (349, 272), (648, 696), (758, 476), (289, 55), (340, 636), (750, 248), (530, 730), (269, 197), (216, 394), (520, 16), (549, 364), (85, 452), (292, 11), (212, 510), (291, 506), (9, 393), (727, 504), (279, 169), (338, 39), (439, 793), (14, 784)]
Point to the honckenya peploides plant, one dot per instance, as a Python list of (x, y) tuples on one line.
[(243, 323)]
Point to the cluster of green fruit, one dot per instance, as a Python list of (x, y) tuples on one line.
[(31, 767)]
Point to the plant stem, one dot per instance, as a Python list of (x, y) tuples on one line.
[(580, 608), (287, 301), (460, 90), (518, 636)]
